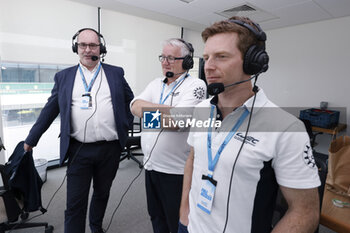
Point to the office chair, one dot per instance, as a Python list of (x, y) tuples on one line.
[(133, 142), (13, 202)]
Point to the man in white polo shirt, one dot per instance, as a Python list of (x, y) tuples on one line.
[(232, 173), (166, 150)]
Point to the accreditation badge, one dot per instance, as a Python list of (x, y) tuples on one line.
[(206, 195), (86, 101)]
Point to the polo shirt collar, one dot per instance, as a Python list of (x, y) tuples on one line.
[(260, 102), (85, 69), (178, 79)]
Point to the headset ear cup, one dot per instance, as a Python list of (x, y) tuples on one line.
[(75, 47), (263, 59), (255, 60), (187, 62), (103, 49)]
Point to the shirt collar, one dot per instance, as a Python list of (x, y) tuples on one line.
[(260, 101), (179, 78), (85, 69)]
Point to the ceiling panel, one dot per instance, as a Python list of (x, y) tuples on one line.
[(296, 14), (154, 5), (269, 5), (198, 14), (337, 8), (188, 12), (208, 19), (216, 5)]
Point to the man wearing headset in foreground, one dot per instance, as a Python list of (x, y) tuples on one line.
[(93, 100), (231, 178), (166, 150)]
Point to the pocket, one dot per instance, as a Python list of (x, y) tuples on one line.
[(182, 228)]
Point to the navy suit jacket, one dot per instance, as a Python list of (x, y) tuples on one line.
[(60, 103)]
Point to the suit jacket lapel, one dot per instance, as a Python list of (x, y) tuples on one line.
[(111, 82), (70, 83)]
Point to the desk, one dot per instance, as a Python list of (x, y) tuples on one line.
[(333, 131), (335, 218)]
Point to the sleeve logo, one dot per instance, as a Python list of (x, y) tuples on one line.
[(199, 93), (308, 156)]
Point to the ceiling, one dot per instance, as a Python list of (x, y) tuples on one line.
[(198, 14)]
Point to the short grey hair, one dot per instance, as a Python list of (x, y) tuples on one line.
[(178, 43)]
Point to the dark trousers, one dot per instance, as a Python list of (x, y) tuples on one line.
[(182, 228), (92, 161), (163, 200)]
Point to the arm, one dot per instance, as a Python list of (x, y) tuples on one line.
[(139, 104), (184, 206), (27, 147), (303, 211), (46, 117), (129, 95)]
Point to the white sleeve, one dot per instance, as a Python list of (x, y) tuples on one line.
[(294, 163), (196, 93)]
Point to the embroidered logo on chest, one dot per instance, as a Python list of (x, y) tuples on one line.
[(175, 94), (249, 139)]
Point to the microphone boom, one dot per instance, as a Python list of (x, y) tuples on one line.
[(217, 88)]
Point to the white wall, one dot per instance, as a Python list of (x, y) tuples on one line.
[(40, 31), (195, 39), (308, 64)]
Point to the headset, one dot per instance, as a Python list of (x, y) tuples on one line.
[(187, 62), (256, 59), (103, 49)]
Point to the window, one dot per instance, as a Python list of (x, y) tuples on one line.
[(24, 90)]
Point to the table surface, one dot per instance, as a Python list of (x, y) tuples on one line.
[(335, 218), (334, 130)]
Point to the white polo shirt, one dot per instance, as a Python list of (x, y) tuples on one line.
[(277, 151), (168, 148)]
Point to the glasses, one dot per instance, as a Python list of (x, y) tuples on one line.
[(169, 59), (91, 46)]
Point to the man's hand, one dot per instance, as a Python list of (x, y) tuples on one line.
[(27, 147)]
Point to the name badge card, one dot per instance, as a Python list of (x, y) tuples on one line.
[(206, 195), (86, 101)]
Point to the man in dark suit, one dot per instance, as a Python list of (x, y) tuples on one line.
[(93, 102)]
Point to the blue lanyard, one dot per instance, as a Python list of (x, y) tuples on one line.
[(88, 88), (212, 163), (161, 94)]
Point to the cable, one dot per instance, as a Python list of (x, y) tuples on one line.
[(255, 90), (149, 157), (74, 156), (136, 177)]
